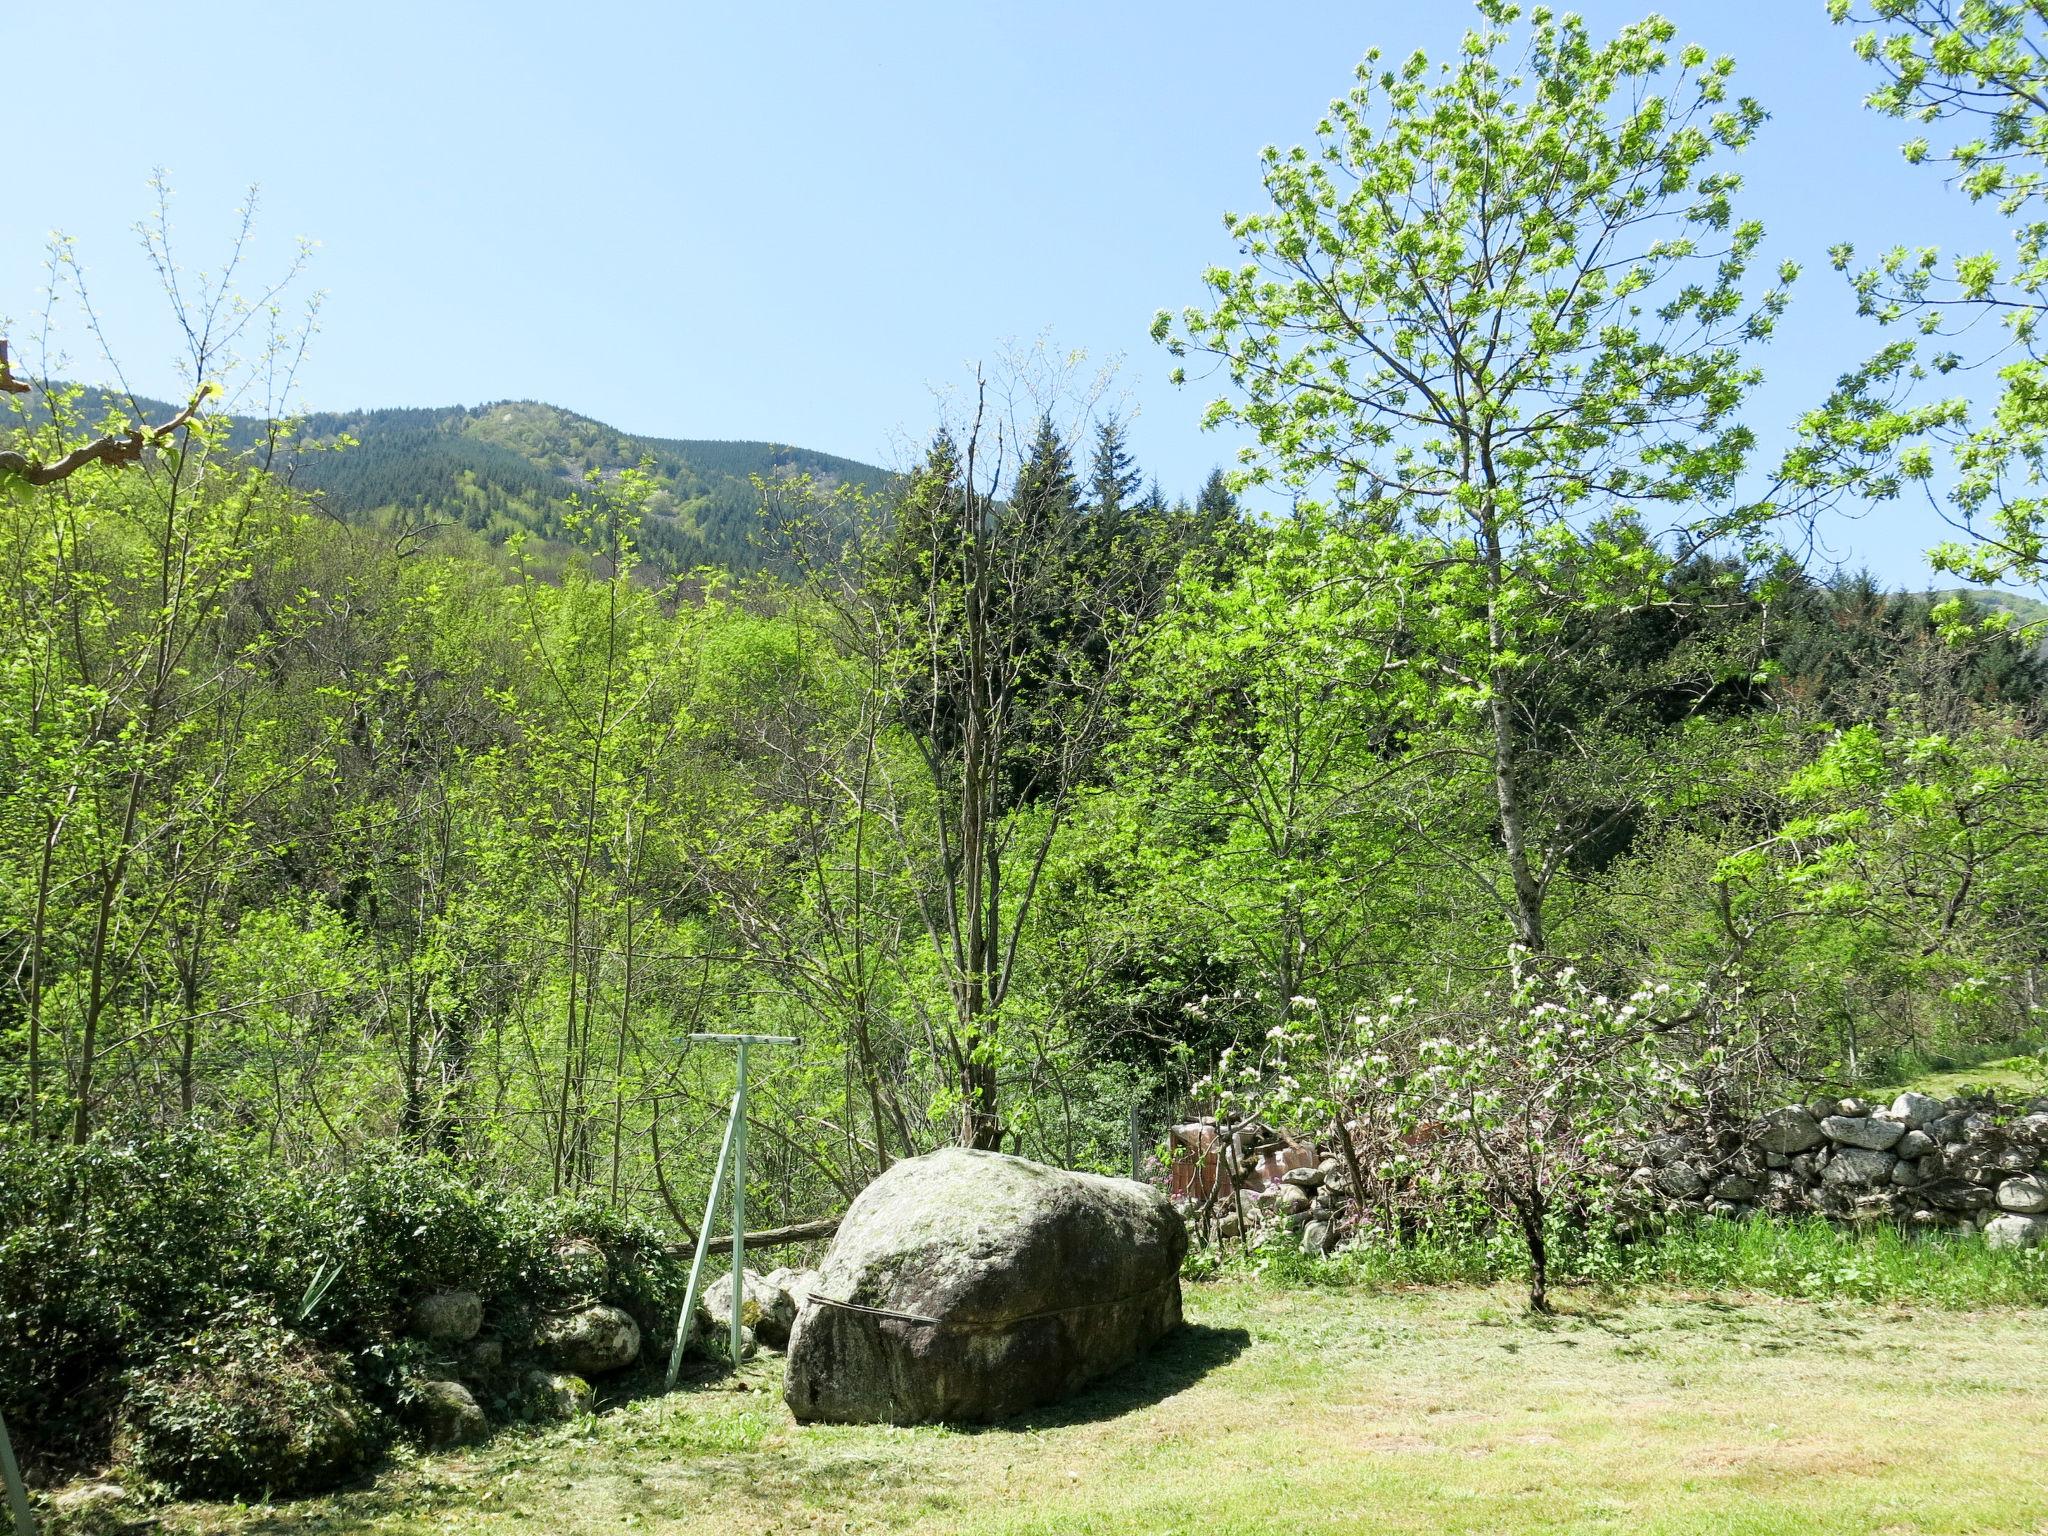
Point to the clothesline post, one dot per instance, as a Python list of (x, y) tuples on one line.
[(732, 1165)]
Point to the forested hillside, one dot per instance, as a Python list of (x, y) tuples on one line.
[(485, 473), (498, 469)]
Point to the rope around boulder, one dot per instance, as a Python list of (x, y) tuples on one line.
[(1008, 1322)]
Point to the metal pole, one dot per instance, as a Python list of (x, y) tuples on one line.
[(17, 1491), (685, 1317), (739, 1202), (733, 1155)]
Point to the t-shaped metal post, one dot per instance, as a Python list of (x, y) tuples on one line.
[(732, 1162)]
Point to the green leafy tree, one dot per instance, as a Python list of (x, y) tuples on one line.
[(1499, 318), (1978, 69)]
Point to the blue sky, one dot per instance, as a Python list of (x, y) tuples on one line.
[(795, 222)]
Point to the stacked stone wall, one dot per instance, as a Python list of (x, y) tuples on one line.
[(1919, 1161)]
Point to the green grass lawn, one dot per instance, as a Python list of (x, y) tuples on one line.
[(1439, 1410), (2017, 1077)]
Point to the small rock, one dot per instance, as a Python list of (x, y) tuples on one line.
[(1906, 1174), (1681, 1181), (590, 1341), (1916, 1109), (2029, 1130), (1872, 1208), (1663, 1151), (1863, 1131), (449, 1415), (1734, 1186), (1955, 1194), (1852, 1108), (559, 1394), (94, 1509), (1857, 1166), (1914, 1144), (767, 1308), (2013, 1230), (482, 1357), (1788, 1130), (1302, 1178), (2026, 1195), (448, 1317), (1294, 1200)]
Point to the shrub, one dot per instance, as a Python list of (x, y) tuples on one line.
[(115, 1256), (104, 1251), (246, 1406)]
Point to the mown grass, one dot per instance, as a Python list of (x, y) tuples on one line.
[(2019, 1077), (1337, 1408)]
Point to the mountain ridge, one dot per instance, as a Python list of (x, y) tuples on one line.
[(517, 465)]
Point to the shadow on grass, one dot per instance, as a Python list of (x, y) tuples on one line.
[(1176, 1363), (1171, 1366)]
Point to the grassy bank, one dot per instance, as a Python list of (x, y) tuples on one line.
[(1292, 1410)]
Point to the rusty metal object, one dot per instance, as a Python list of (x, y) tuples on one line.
[(1197, 1168)]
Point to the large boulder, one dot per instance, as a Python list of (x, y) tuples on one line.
[(589, 1341), (966, 1286), (797, 1284), (1917, 1110), (2026, 1195), (1858, 1165)]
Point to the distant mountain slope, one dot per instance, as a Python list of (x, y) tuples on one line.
[(2028, 610), (516, 464)]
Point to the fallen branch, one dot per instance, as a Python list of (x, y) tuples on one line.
[(770, 1237)]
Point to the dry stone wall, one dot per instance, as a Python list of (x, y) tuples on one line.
[(1920, 1161)]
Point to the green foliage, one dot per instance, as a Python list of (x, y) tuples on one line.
[(1975, 70), (1812, 1260), (246, 1406), (114, 1257)]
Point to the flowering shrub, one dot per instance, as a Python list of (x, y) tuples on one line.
[(1541, 1090), (1513, 1102)]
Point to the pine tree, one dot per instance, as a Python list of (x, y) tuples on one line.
[(1113, 477), (1217, 503), (1046, 489)]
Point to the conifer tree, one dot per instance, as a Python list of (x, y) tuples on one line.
[(1113, 476)]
